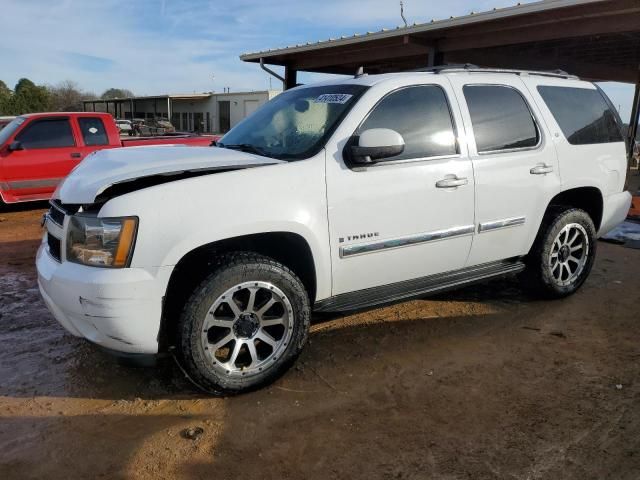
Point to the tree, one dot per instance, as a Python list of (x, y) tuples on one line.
[(116, 93), (67, 97), (5, 97), (28, 97)]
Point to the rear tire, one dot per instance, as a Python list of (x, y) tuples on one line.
[(563, 253), (244, 326)]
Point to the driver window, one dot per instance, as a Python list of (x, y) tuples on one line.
[(421, 115), (47, 133)]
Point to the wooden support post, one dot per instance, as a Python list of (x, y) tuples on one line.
[(290, 77), (431, 57), (633, 121)]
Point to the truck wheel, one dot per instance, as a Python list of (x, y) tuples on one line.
[(563, 253), (244, 325)]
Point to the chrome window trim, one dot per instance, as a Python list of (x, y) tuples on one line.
[(536, 123), (416, 239), (498, 224), (381, 163)]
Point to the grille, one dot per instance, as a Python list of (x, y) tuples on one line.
[(54, 246), (56, 213)]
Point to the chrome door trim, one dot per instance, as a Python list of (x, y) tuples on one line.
[(371, 247), (504, 223)]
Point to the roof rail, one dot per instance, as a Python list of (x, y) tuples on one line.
[(468, 67), (441, 68)]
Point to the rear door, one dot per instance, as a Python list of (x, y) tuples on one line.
[(93, 136), (515, 163), (47, 156)]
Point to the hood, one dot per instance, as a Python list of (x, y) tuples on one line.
[(114, 167)]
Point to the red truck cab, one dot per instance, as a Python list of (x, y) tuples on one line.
[(38, 150)]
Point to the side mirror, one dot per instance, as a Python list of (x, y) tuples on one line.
[(15, 145), (377, 144)]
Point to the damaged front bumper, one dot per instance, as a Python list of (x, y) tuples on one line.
[(118, 309)]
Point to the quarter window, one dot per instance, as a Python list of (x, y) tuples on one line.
[(500, 117), (93, 132), (49, 133), (421, 115), (582, 114)]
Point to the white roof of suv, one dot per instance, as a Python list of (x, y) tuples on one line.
[(373, 79)]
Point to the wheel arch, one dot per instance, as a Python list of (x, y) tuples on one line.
[(290, 249), (589, 199)]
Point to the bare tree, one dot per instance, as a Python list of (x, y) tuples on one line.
[(66, 96)]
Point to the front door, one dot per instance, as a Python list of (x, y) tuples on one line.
[(48, 154), (405, 218), (514, 162)]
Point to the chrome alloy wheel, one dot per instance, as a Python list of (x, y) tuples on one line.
[(569, 254), (247, 328)]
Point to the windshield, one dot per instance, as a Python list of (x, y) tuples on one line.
[(295, 124), (10, 129)]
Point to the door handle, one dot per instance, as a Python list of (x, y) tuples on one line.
[(451, 182), (76, 155), (541, 169)]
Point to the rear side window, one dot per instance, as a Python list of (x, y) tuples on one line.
[(501, 118), (48, 133), (421, 115), (93, 132), (582, 114)]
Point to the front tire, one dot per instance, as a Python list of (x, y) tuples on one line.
[(244, 325), (563, 253)]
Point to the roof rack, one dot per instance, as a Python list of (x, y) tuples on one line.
[(468, 67)]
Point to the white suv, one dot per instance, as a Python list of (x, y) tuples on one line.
[(334, 196)]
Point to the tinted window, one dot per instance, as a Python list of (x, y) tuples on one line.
[(93, 131), (582, 114), (51, 133), (421, 115), (501, 118)]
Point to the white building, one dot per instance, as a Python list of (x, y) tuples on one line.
[(203, 112)]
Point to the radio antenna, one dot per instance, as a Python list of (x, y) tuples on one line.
[(402, 13)]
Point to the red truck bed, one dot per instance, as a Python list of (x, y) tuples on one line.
[(38, 150)]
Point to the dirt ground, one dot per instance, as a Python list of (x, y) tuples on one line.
[(483, 383)]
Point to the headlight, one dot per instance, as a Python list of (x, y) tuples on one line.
[(101, 242)]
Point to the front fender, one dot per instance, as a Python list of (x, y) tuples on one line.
[(176, 218)]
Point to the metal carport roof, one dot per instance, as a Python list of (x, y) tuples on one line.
[(594, 39)]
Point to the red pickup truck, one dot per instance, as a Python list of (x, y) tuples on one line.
[(38, 150)]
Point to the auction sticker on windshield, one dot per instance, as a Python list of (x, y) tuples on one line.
[(333, 98)]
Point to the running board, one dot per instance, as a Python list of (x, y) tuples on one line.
[(418, 287)]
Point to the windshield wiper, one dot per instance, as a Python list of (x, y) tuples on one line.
[(245, 147)]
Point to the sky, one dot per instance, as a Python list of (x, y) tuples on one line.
[(185, 46)]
